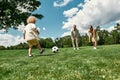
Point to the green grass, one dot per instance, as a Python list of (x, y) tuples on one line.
[(67, 64)]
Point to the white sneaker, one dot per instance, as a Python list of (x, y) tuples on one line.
[(73, 48), (77, 48), (30, 55), (94, 48)]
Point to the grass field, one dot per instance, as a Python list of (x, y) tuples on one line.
[(67, 64)]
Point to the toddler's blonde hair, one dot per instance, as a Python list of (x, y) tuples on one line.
[(31, 19)]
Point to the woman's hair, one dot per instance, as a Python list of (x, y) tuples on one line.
[(31, 19), (91, 27)]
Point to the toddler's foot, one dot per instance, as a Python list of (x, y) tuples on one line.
[(30, 55), (41, 51)]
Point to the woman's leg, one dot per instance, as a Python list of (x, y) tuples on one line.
[(94, 43)]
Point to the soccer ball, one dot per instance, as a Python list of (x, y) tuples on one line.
[(54, 49)]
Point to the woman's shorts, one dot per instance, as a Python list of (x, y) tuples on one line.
[(94, 39)]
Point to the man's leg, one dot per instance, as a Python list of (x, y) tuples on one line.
[(77, 43), (73, 43)]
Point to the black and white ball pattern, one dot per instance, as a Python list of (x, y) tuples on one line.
[(55, 49)]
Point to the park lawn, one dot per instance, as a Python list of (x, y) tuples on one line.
[(67, 64)]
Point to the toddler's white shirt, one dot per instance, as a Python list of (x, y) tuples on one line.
[(28, 32)]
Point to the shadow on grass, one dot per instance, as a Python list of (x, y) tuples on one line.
[(45, 55), (91, 47)]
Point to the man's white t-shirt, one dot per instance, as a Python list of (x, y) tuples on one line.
[(29, 33), (75, 34)]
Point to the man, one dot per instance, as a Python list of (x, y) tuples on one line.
[(75, 37)]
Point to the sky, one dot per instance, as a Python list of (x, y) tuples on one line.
[(61, 15)]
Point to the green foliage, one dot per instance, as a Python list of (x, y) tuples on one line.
[(14, 12), (2, 47), (66, 41), (84, 40), (106, 38), (68, 64), (59, 42), (116, 36), (112, 37), (49, 43)]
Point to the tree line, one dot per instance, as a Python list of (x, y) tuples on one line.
[(106, 38), (15, 12)]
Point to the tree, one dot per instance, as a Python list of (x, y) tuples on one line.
[(15, 12), (84, 40), (59, 42), (2, 47), (42, 42), (116, 34), (66, 40), (49, 43), (97, 28), (118, 31)]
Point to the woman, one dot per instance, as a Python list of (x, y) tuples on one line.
[(92, 32)]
